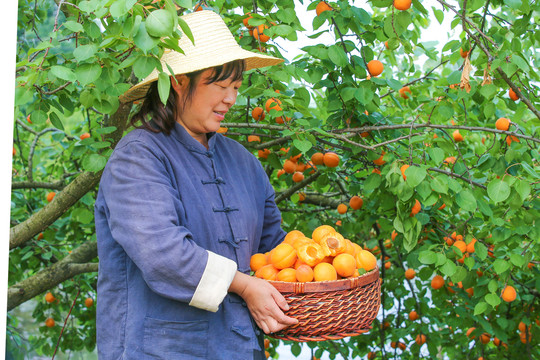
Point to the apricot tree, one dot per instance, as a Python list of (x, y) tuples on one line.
[(443, 190)]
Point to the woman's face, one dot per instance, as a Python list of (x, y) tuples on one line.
[(208, 106)]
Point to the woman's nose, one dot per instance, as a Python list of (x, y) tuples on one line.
[(230, 97)]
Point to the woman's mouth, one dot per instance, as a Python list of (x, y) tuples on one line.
[(220, 114)]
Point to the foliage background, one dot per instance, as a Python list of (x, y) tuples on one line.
[(490, 192)]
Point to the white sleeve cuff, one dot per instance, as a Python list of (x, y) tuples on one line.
[(214, 284)]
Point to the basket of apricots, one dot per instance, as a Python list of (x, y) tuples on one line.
[(331, 284)]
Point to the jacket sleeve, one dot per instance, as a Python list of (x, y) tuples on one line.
[(143, 218)]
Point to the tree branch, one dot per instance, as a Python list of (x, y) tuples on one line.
[(57, 185), (287, 193), (75, 263), (21, 233)]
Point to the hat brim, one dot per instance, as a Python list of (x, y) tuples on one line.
[(252, 60)]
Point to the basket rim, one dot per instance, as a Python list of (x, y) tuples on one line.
[(324, 286)]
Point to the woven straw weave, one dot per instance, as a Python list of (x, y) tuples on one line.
[(330, 310), (214, 45)]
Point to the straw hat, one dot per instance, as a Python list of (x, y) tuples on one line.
[(214, 46)]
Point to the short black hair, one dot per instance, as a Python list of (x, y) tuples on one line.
[(157, 117)]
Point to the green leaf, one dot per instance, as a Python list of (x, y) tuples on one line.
[(498, 190), (484, 207), (364, 95), (186, 4), (296, 349), (415, 175), (480, 308), (439, 184), (449, 268), (159, 23), (118, 8), (347, 93), (38, 117), (530, 170), (55, 120), (94, 162), (436, 154), (302, 145), (523, 189), (88, 73), (282, 30), (144, 65), (439, 15), (459, 275), (492, 300), (337, 55), (488, 91), (144, 41), (185, 29), (480, 250), (521, 64), (454, 77), (517, 259), (372, 182), (63, 72), (500, 266), (106, 130), (466, 200), (394, 84), (427, 257), (398, 225), (164, 86), (73, 26), (84, 52)]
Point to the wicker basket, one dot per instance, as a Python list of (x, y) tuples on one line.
[(330, 310)]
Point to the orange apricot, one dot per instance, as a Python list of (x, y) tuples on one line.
[(310, 253), (304, 273), (345, 264), (375, 67), (457, 136), (324, 272), (317, 158), (509, 293), (512, 94), (502, 124), (322, 7), (342, 209), (320, 232), (402, 4), (403, 168), (416, 208), (257, 261), (292, 235), (365, 260), (410, 274), (258, 113), (283, 256), (287, 274), (437, 282), (267, 272), (331, 159), (356, 202), (403, 92)]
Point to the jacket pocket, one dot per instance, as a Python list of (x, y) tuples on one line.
[(165, 339)]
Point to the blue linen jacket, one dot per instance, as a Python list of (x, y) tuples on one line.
[(174, 221)]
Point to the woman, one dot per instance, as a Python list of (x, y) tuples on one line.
[(180, 211)]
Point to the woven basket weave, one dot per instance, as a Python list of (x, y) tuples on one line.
[(330, 310)]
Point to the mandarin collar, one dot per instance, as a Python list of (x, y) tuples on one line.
[(181, 134)]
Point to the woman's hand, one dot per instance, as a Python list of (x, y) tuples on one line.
[(264, 302)]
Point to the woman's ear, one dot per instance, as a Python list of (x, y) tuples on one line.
[(179, 83)]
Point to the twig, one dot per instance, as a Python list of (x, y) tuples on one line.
[(52, 91)]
